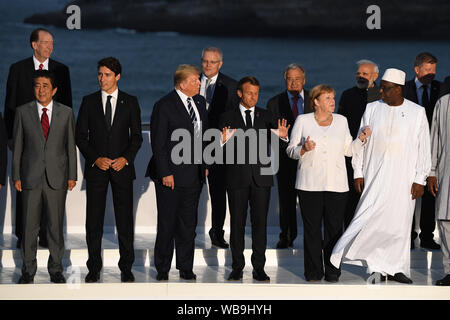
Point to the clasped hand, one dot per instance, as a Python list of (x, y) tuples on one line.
[(116, 164)]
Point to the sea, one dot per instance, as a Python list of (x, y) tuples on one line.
[(150, 59)]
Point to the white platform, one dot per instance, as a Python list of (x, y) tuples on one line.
[(212, 266)]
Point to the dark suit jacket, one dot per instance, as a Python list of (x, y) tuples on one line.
[(410, 93), (240, 175), (225, 98), (168, 115), (19, 88), (94, 140), (280, 108), (3, 153)]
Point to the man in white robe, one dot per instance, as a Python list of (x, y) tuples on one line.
[(439, 179), (391, 172)]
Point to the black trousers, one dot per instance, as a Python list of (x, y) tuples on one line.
[(287, 204), (427, 218), (217, 192), (316, 207), (122, 192), (353, 195), (238, 201), (177, 220)]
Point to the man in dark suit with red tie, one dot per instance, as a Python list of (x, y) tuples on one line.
[(220, 92), (109, 135), (424, 90), (19, 90), (177, 183), (288, 105)]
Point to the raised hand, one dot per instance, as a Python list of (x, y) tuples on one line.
[(227, 133)]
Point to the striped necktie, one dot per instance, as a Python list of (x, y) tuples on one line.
[(191, 112)]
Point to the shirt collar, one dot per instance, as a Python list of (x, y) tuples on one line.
[(418, 83), (182, 96), (114, 94), (213, 79), (243, 109), (302, 94), (37, 63), (49, 106)]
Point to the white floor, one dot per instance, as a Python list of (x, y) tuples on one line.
[(212, 266)]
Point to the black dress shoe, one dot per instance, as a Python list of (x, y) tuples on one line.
[(400, 277), (26, 279), (282, 244), (127, 276), (57, 278), (260, 275), (444, 281), (187, 275), (430, 245), (162, 276), (218, 240), (331, 278), (92, 277), (235, 275)]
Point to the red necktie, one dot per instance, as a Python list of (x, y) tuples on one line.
[(41, 66), (294, 106), (44, 122)]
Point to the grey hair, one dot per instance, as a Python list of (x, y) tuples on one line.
[(293, 66), (365, 61), (213, 49)]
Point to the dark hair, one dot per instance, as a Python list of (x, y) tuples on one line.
[(34, 36), (112, 64), (45, 74), (248, 79), (424, 57)]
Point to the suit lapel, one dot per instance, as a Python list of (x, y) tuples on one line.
[(285, 107), (180, 109), (120, 109), (36, 120), (55, 120)]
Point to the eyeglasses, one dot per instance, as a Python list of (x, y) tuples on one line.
[(386, 89), (210, 61), (294, 79)]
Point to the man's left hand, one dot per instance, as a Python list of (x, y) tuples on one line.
[(283, 129), (417, 190), (118, 164)]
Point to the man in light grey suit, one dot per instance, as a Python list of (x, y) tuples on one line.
[(44, 167)]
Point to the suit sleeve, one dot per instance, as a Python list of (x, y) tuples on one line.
[(71, 147), (3, 152), (65, 87), (17, 146), (135, 131), (159, 135), (10, 100), (82, 134)]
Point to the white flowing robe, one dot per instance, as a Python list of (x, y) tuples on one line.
[(396, 155)]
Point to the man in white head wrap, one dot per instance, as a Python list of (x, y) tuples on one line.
[(390, 172)]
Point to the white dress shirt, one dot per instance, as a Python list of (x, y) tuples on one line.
[(323, 168), (184, 98), (49, 111), (113, 102), (37, 63)]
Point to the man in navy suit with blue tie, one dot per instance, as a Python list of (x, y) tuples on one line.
[(178, 185), (288, 105)]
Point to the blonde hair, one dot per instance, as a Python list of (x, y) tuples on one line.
[(183, 72), (319, 90)]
